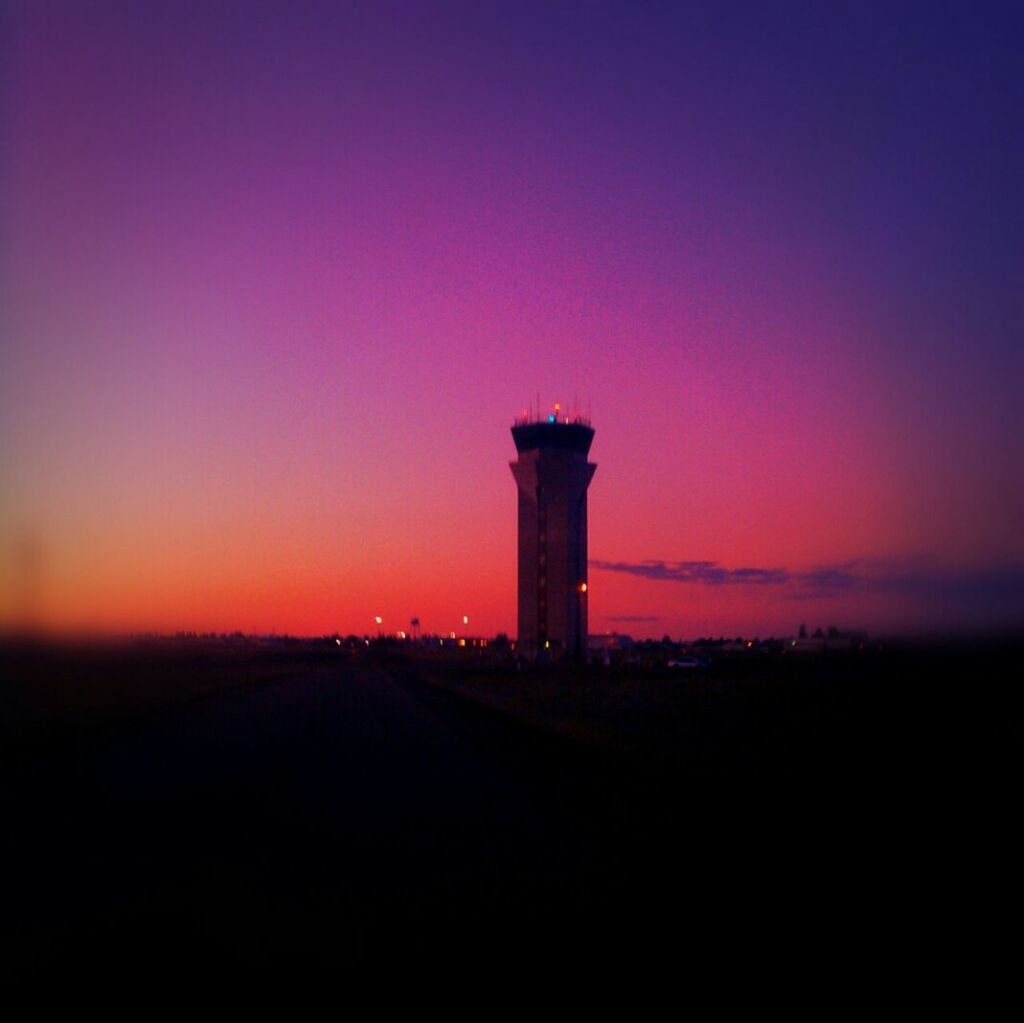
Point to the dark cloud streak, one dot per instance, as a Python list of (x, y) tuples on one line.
[(1003, 585), (709, 572)]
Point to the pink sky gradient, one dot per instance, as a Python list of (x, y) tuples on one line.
[(275, 286)]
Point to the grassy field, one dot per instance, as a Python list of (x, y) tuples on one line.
[(780, 713), (202, 795), (59, 696), (740, 713)]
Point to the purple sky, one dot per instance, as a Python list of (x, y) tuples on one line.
[(276, 278)]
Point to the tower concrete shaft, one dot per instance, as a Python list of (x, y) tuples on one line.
[(552, 474)]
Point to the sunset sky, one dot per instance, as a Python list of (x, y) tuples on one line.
[(276, 278)]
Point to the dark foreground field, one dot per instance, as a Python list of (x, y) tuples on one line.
[(184, 809)]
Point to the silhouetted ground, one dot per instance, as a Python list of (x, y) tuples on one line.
[(199, 807)]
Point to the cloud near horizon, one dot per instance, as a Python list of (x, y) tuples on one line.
[(1004, 585), (632, 618)]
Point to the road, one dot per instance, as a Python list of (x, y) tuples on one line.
[(349, 813), (331, 813)]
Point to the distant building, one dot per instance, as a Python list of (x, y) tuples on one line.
[(612, 641), (834, 640), (552, 474)]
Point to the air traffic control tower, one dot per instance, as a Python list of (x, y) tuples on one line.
[(552, 473)]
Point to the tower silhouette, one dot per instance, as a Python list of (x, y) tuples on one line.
[(552, 474)]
